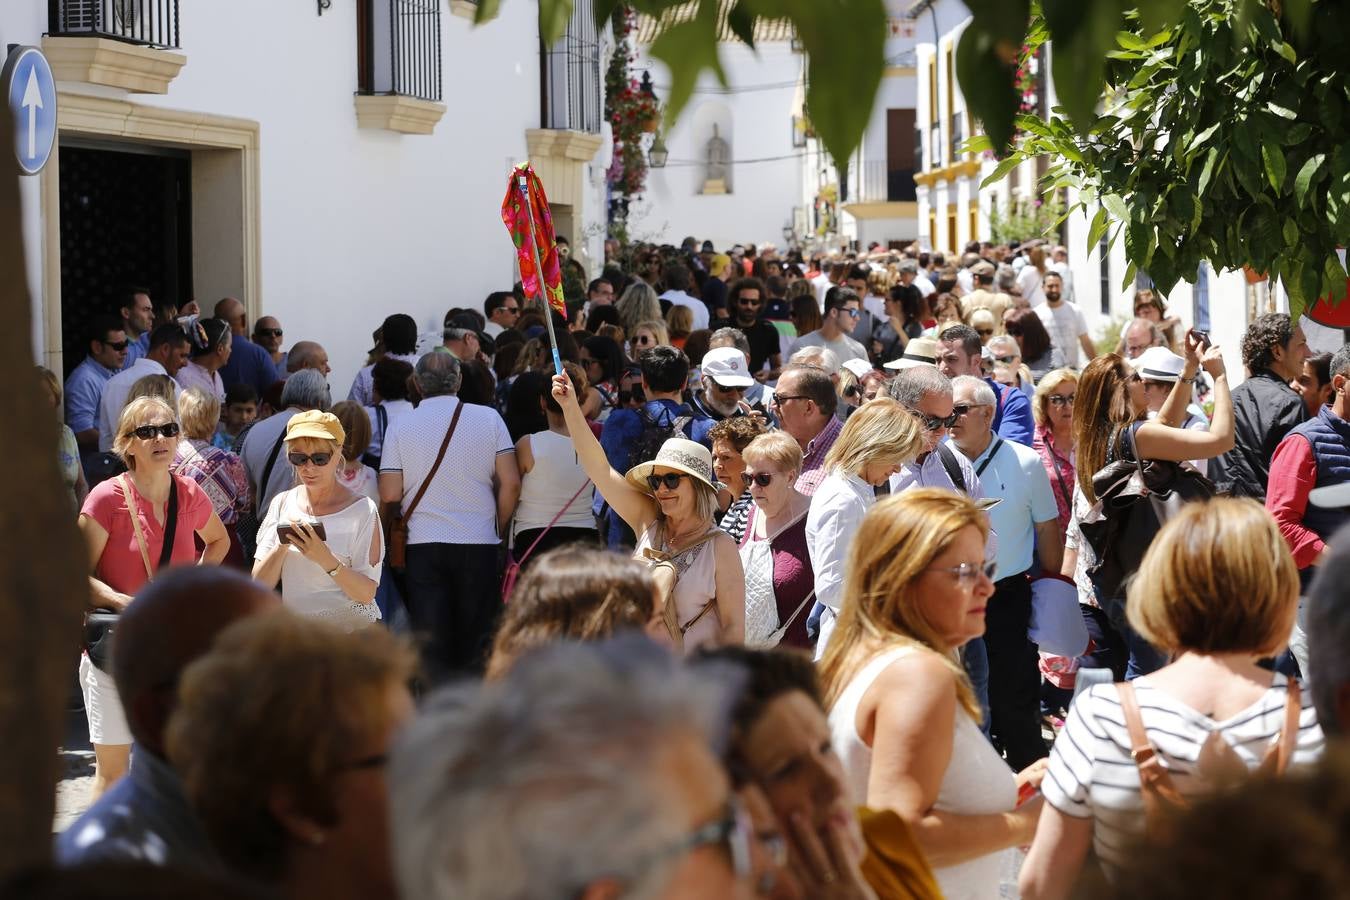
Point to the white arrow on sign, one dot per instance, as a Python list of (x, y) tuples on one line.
[(32, 101)]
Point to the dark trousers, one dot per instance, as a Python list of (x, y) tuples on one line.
[(1014, 676), (556, 537), (453, 595)]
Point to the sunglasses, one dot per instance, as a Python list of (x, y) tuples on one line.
[(934, 423), (511, 309), (299, 459), (745, 302), (763, 479), (985, 332), (1061, 400), (671, 480), (851, 313), (268, 332), (645, 339), (1006, 360), (961, 409), (119, 346), (149, 432)]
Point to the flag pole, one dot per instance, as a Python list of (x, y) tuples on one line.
[(522, 185)]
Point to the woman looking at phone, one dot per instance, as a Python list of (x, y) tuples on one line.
[(319, 539)]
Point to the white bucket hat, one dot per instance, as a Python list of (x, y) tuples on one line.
[(682, 455)]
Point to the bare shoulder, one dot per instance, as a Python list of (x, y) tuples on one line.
[(917, 678)]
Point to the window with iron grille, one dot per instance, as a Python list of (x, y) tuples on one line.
[(399, 48), (152, 23), (570, 76)]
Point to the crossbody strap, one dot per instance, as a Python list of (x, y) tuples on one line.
[(449, 433), (998, 445), (1293, 706), (170, 524), (1059, 476), (565, 507), (383, 415), (129, 495), (267, 469), (949, 462)]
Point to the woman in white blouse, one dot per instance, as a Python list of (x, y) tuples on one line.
[(1218, 590), (903, 715), (875, 442), (334, 575)]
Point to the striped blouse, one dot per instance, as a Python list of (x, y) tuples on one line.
[(1091, 773)]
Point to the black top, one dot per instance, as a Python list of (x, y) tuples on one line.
[(1265, 408), (764, 342)]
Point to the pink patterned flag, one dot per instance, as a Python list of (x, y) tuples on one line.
[(526, 216)]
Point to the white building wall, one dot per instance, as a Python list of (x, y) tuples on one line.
[(755, 118), (359, 223)]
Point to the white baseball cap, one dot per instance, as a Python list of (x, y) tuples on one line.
[(857, 366), (1158, 364), (727, 366)]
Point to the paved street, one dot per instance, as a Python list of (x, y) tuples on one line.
[(77, 771)]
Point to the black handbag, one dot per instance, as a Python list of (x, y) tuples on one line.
[(100, 624)]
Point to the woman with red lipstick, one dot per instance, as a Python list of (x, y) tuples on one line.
[(903, 715)]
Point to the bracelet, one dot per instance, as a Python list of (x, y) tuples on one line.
[(332, 573)]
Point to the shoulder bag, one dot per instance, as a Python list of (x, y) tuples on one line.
[(513, 565), (763, 630), (666, 574), (396, 541), (100, 624), (1161, 798)]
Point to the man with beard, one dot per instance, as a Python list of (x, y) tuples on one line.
[(726, 377)]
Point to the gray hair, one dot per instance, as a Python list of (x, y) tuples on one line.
[(544, 782), (730, 336), (1006, 277), (1328, 631), (911, 385), (980, 392), (438, 374), (1009, 344), (457, 334), (820, 357), (307, 389), (1340, 363)]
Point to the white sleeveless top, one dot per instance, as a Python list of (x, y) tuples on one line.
[(977, 780), (696, 585), (551, 483)]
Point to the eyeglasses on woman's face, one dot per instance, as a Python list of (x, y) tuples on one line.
[(150, 432), (763, 479), (1062, 399), (643, 340), (985, 332), (967, 574)]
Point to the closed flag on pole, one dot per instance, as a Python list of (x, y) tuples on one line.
[(527, 218)]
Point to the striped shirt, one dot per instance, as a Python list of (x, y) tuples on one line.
[(1092, 775)]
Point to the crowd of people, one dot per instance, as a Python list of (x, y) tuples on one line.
[(833, 577)]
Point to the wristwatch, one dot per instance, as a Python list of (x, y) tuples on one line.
[(333, 571)]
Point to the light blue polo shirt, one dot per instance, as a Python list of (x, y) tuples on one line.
[(1015, 475)]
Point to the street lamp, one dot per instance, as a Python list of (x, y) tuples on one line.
[(658, 154)]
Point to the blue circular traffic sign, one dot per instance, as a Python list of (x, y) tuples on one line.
[(28, 84)]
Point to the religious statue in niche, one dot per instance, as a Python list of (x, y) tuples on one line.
[(717, 165)]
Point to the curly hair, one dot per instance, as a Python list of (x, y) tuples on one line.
[(738, 431), (1263, 336)]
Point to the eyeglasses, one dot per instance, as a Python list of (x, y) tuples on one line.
[(514, 310), (268, 332), (852, 313), (763, 479), (119, 346), (961, 409), (733, 830), (149, 432), (1061, 400), (671, 480), (985, 332), (746, 301), (299, 459), (644, 339), (1006, 360), (934, 423), (780, 399), (968, 573)]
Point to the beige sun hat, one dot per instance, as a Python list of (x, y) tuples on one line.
[(682, 455), (918, 352)]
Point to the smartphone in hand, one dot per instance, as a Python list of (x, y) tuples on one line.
[(286, 532)]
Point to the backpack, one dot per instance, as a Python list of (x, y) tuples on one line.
[(656, 430)]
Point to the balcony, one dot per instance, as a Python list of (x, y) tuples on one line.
[(883, 184), (398, 65), (957, 136), (570, 80), (116, 43)]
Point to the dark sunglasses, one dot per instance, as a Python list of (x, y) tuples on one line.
[(645, 339), (1006, 360), (1061, 400), (985, 332), (511, 309), (148, 432), (745, 302), (763, 479), (851, 313), (671, 480), (119, 346), (299, 459), (961, 409), (934, 423), (268, 332)]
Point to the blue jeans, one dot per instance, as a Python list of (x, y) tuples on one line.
[(976, 660), (1144, 657)]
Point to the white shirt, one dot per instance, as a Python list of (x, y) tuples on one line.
[(115, 397), (1029, 280), (837, 509), (1065, 274), (844, 347), (924, 285), (1091, 774), (363, 385), (492, 329), (193, 375), (1066, 325), (694, 305), (393, 411), (460, 506), (1016, 476)]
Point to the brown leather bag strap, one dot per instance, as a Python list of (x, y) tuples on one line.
[(1155, 782), (1288, 743), (445, 444)]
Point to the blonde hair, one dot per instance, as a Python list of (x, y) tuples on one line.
[(356, 425), (879, 281), (981, 316), (638, 303), (658, 329), (1044, 387), (680, 321), (279, 701), (161, 386), (1217, 578), (132, 415), (897, 541), (199, 413), (881, 430), (48, 378), (775, 447)]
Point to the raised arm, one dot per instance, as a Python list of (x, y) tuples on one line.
[(1173, 410), (1159, 441), (635, 507)]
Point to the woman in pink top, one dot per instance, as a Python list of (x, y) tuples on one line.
[(1052, 408), (146, 439)]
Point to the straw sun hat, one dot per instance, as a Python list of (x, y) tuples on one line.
[(689, 457)]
